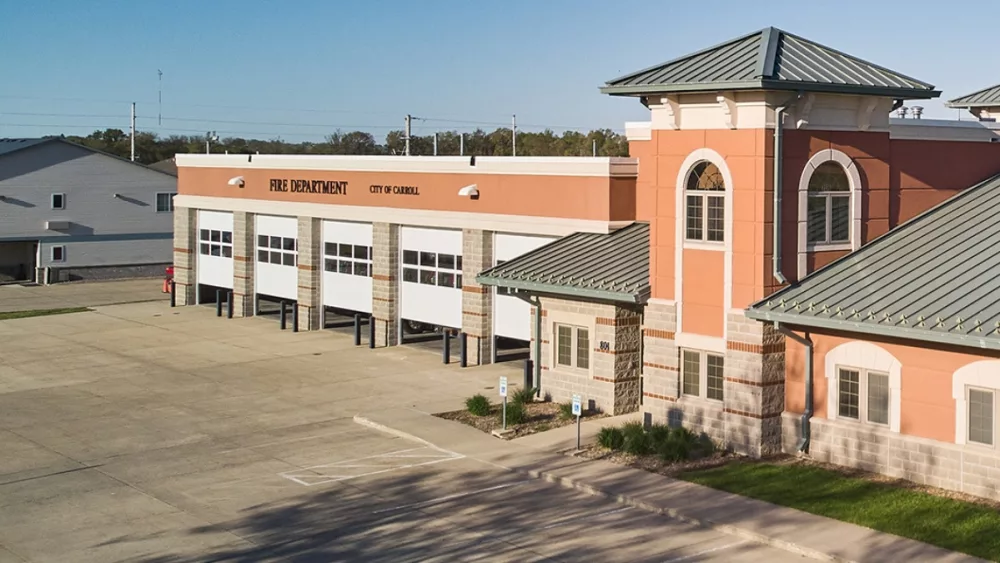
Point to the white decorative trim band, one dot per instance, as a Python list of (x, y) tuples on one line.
[(854, 179)]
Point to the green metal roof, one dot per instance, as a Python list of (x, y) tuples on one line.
[(934, 279), (613, 267), (986, 97), (770, 59)]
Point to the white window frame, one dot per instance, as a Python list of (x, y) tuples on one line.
[(574, 347), (703, 356), (968, 418), (207, 246), (170, 204), (981, 375), (854, 180), (281, 251), (336, 261), (52, 201), (705, 196), (863, 399), (421, 268), (52, 253), (862, 355)]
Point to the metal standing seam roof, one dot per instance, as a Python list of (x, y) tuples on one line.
[(987, 97), (770, 59), (612, 266), (934, 278)]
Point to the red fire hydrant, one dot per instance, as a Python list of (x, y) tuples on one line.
[(167, 279)]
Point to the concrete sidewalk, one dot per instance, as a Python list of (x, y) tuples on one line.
[(798, 532)]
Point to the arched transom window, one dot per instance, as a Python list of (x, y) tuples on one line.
[(829, 212), (705, 207)]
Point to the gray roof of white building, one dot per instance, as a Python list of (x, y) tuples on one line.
[(933, 278), (770, 59), (12, 145)]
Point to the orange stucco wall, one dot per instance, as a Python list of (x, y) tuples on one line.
[(927, 407), (573, 197)]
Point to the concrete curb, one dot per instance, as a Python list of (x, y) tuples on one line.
[(628, 500)]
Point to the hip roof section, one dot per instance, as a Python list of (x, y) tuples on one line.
[(987, 97)]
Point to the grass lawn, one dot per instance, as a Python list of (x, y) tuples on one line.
[(40, 313), (948, 523)]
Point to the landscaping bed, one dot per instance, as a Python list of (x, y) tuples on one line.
[(525, 416)]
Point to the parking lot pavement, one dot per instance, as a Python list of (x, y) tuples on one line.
[(15, 297), (144, 433)]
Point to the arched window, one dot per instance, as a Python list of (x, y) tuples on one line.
[(705, 208), (829, 212)]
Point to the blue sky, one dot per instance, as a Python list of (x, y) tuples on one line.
[(298, 69)]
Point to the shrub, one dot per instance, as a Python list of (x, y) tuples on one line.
[(680, 446), (478, 405), (636, 440), (566, 411), (658, 435), (611, 437), (524, 395), (515, 413)]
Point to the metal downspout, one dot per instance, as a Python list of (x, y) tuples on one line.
[(807, 413), (537, 304), (779, 134)]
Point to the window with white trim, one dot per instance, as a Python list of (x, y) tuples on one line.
[(165, 202), (58, 201), (280, 251), (863, 395), (347, 259), (572, 346), (705, 204), (702, 374), (981, 419), (57, 253), (432, 268), (212, 242), (829, 205)]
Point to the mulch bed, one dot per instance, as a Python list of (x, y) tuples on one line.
[(653, 463), (540, 416)]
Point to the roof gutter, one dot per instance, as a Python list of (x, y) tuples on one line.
[(806, 421), (779, 114)]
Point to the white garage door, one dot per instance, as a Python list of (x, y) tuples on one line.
[(215, 249), (347, 265), (277, 272), (432, 276), (512, 316)]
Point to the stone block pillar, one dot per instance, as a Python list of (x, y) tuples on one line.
[(477, 300), (754, 388), (661, 373), (385, 283), (623, 334), (185, 254), (244, 256), (310, 300)]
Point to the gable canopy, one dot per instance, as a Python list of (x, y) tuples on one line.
[(987, 97), (770, 59)]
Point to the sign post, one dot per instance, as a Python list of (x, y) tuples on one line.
[(503, 393), (577, 412)]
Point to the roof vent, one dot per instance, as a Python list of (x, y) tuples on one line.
[(902, 111), (917, 112)]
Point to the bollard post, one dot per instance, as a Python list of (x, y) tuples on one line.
[(371, 331), (218, 302), (295, 317), (446, 348), (173, 293), (282, 316), (229, 305), (357, 329), (527, 374), (463, 349)]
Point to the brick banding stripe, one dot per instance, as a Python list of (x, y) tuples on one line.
[(183, 250), (655, 333), (609, 380), (383, 277), (475, 289), (382, 299), (628, 321), (659, 366), (770, 348), (754, 383), (750, 414), (307, 267), (243, 258), (660, 397)]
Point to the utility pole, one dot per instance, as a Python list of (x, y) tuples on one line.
[(209, 137), (159, 92), (435, 144), (406, 135), (513, 135), (132, 130), (461, 144), (595, 147)]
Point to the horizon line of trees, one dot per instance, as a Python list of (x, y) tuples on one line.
[(151, 148)]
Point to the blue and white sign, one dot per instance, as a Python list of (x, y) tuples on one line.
[(503, 386), (577, 409)]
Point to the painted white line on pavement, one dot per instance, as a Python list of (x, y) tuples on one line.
[(295, 475), (448, 497), (401, 459), (707, 551), (585, 518)]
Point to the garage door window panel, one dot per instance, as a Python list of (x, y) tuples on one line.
[(214, 242), (280, 251), (442, 270)]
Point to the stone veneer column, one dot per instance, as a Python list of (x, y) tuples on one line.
[(385, 283), (477, 300), (244, 255), (185, 254), (661, 374), (623, 333), (309, 301), (755, 386)]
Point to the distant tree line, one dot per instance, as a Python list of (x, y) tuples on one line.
[(150, 148)]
